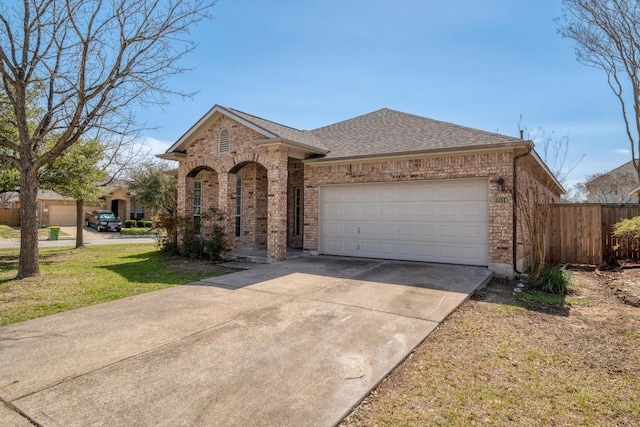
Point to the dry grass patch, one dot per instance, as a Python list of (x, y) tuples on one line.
[(501, 361), (73, 278)]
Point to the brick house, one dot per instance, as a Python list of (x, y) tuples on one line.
[(383, 185), (619, 185)]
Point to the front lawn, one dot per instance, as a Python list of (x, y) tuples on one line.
[(73, 278), (142, 231), (8, 232), (502, 361)]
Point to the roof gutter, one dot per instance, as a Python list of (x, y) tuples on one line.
[(321, 161), (277, 141), (544, 166), (171, 156)]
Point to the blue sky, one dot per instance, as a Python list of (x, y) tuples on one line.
[(311, 63)]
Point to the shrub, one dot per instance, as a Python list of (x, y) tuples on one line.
[(554, 280), (130, 223), (627, 231), (194, 244), (148, 224), (140, 223)]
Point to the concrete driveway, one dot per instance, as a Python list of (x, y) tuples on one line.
[(296, 343)]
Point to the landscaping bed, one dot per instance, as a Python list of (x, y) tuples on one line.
[(624, 283), (499, 360)]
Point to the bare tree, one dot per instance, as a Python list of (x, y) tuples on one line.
[(607, 36), (91, 63), (5, 199), (553, 150), (610, 187), (533, 210)]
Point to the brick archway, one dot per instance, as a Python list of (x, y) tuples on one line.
[(247, 202), (201, 193)]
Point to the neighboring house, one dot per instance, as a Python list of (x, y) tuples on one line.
[(118, 200), (54, 209), (619, 185), (383, 185)]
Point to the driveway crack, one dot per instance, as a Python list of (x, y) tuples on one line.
[(18, 411)]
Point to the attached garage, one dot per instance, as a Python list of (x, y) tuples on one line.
[(445, 221), (385, 184), (62, 214)]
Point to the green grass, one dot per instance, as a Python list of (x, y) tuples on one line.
[(632, 335), (554, 299), (8, 232), (138, 232), (584, 302), (541, 297), (73, 278)]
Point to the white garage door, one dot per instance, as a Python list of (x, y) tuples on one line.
[(66, 214), (62, 214), (436, 221)]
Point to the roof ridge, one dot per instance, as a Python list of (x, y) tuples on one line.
[(455, 124), (348, 120), (266, 120), (420, 118), (620, 168)]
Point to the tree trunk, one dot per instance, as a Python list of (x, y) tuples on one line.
[(28, 265), (79, 222)]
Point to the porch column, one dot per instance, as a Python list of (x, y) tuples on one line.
[(277, 174), (182, 194), (225, 209)]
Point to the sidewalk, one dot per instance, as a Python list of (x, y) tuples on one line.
[(91, 237)]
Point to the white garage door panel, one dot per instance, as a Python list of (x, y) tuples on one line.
[(62, 214), (437, 221)]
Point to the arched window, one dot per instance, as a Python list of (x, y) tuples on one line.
[(223, 142)]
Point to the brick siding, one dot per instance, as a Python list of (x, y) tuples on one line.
[(490, 165), (270, 178)]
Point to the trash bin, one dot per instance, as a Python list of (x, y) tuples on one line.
[(54, 232)]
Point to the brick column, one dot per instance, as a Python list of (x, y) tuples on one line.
[(277, 175), (225, 208), (182, 192)]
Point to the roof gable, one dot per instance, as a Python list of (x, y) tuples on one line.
[(270, 130), (623, 171), (304, 137)]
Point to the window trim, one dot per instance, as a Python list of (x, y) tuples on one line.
[(238, 212), (297, 211), (197, 199)]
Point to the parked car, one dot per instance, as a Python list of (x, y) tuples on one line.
[(103, 220)]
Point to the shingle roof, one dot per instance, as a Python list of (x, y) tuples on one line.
[(625, 171), (285, 132), (381, 132), (51, 195), (388, 131)]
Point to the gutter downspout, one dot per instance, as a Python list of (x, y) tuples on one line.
[(515, 208)]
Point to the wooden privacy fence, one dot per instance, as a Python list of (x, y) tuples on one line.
[(581, 233), (10, 217)]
